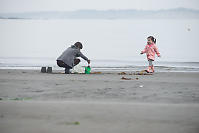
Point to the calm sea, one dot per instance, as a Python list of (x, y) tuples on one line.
[(99, 65), (110, 44)]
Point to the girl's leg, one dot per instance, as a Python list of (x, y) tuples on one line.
[(149, 67), (151, 64), (152, 68)]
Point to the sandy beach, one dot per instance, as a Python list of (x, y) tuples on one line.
[(165, 102)]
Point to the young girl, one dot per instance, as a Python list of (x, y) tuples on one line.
[(150, 50)]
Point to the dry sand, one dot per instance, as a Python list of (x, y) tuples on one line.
[(31, 101)]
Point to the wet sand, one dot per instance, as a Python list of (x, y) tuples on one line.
[(31, 101)]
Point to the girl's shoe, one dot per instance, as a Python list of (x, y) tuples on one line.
[(148, 70)]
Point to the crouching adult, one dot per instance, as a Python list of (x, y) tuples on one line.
[(68, 59)]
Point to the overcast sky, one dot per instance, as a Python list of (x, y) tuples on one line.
[(65, 5)]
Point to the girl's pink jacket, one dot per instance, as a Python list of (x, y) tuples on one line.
[(150, 51)]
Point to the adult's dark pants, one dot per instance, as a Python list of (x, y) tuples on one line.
[(67, 67)]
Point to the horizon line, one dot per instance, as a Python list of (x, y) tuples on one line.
[(39, 11)]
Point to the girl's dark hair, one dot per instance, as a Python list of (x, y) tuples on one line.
[(79, 45), (152, 39)]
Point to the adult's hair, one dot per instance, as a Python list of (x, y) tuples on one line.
[(152, 39), (79, 45)]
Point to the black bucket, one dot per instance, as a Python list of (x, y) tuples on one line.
[(49, 70), (43, 69)]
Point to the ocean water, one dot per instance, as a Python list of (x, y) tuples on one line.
[(110, 44), (99, 65)]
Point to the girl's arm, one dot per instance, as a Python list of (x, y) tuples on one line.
[(156, 50), (144, 51)]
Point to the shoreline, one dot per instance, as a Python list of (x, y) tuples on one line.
[(110, 70), (99, 65)]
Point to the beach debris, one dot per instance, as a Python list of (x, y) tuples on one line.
[(16, 99), (72, 123), (126, 78), (96, 72), (143, 72), (20, 99), (122, 73), (76, 123), (141, 86)]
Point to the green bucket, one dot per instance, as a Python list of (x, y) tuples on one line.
[(87, 70)]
